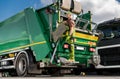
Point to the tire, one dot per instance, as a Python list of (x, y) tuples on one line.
[(21, 65)]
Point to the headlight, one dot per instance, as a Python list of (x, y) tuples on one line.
[(3, 63)]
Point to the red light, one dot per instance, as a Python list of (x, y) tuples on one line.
[(92, 49), (66, 46)]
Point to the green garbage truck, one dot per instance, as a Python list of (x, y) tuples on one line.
[(34, 41)]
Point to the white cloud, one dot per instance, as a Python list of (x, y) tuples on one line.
[(102, 9)]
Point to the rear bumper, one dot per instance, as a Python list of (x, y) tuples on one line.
[(7, 63), (7, 67), (106, 67)]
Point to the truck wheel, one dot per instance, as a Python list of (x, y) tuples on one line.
[(21, 65)]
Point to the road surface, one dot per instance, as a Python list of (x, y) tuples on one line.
[(65, 77)]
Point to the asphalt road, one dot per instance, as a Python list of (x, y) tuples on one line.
[(65, 77), (88, 75)]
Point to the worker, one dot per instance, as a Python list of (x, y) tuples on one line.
[(71, 24)]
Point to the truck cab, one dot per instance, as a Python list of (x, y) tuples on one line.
[(107, 51)]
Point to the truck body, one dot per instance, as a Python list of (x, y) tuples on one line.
[(27, 44), (108, 47)]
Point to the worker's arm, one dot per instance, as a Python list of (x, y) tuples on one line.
[(72, 26), (71, 30)]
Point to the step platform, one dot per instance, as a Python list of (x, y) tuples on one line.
[(68, 62)]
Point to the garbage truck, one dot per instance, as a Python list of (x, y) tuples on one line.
[(34, 41)]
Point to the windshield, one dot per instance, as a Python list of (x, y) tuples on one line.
[(111, 32)]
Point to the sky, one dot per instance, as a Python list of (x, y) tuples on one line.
[(101, 9), (9, 8)]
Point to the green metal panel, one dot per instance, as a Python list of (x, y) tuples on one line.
[(36, 34), (24, 30), (45, 17), (86, 16), (13, 32)]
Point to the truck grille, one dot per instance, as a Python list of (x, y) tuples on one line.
[(109, 56)]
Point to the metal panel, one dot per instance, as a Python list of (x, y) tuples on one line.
[(13, 32), (59, 32), (36, 34)]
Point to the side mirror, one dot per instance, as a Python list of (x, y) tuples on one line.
[(100, 34)]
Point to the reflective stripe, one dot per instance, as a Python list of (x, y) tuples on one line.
[(25, 46), (86, 43), (82, 42), (85, 36)]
